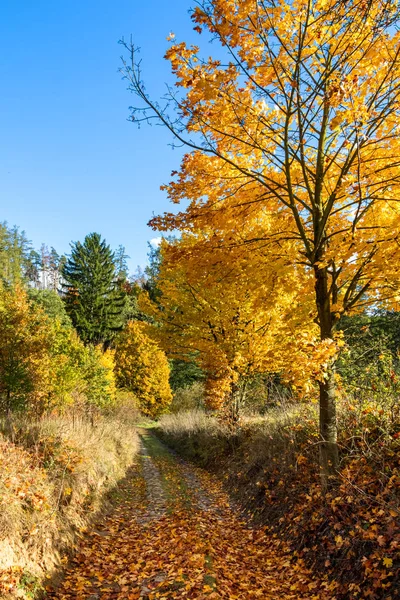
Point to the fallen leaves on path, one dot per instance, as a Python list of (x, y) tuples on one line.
[(199, 547)]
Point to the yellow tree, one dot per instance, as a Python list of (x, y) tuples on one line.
[(142, 368), (99, 380), (232, 313), (300, 109), (26, 336), (67, 359)]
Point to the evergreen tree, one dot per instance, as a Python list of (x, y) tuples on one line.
[(131, 291), (121, 264), (18, 261), (185, 373), (151, 272), (32, 269), (93, 298)]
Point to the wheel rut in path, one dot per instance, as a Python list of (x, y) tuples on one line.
[(156, 499), (173, 534)]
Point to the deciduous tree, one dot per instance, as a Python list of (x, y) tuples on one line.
[(237, 316), (142, 368), (25, 341), (99, 377), (298, 112), (51, 303), (18, 261)]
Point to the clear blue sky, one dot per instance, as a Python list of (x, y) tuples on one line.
[(70, 162)]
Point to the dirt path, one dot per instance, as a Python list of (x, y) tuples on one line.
[(174, 534)]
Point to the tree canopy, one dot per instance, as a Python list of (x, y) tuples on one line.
[(232, 314)]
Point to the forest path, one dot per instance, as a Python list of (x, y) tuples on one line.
[(174, 534)]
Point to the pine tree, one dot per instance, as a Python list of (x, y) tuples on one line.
[(121, 264), (18, 260), (93, 299)]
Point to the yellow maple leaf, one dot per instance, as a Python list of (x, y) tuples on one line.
[(388, 562)]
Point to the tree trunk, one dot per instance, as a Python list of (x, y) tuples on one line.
[(237, 398), (235, 403), (329, 454)]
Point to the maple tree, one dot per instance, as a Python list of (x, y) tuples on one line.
[(296, 118), (232, 330), (142, 368)]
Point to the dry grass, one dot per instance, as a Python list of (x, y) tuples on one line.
[(188, 398), (203, 436), (270, 464), (52, 479), (188, 423)]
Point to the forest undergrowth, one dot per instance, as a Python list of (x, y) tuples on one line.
[(270, 464)]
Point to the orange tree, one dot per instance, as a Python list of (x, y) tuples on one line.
[(300, 111), (231, 313), (142, 368)]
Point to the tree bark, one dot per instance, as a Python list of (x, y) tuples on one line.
[(329, 454), (235, 403), (238, 395)]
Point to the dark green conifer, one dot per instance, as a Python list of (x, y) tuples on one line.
[(93, 298)]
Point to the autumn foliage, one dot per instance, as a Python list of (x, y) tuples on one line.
[(290, 227), (142, 368), (25, 342), (292, 125), (43, 363), (52, 480), (213, 307)]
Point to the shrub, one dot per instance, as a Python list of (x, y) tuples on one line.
[(188, 398)]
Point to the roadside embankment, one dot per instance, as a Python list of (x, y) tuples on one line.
[(53, 479), (270, 464)]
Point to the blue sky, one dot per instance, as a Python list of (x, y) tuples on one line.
[(70, 162)]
